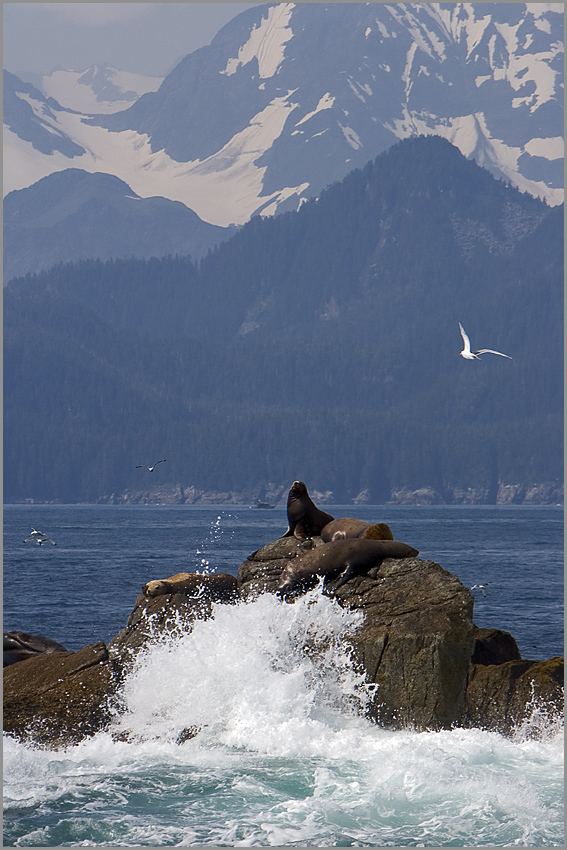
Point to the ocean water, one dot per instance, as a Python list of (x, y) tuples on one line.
[(283, 755)]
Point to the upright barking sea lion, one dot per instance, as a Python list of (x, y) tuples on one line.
[(352, 528), (344, 558), (304, 517)]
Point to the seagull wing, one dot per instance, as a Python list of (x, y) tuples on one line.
[(466, 340), (141, 466), (159, 461), (490, 351)]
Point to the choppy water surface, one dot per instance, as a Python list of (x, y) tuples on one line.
[(282, 754)]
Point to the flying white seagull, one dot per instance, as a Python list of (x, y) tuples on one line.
[(150, 468), (473, 355), (40, 540), (481, 587)]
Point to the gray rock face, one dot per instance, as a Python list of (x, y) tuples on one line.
[(433, 667), (502, 696), (415, 643), (417, 637)]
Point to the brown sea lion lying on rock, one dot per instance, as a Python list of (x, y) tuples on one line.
[(20, 645), (355, 528), (216, 586), (344, 558), (304, 517)]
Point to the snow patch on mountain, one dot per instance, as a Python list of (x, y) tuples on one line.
[(229, 175), (266, 43), (24, 165), (351, 137), (553, 148), (98, 90), (326, 102)]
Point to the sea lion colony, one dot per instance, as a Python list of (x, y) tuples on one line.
[(350, 547)]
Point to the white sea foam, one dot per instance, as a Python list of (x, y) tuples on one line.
[(266, 676), (283, 755)]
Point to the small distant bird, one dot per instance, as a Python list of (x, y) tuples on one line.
[(474, 355), (39, 538), (35, 535), (481, 587), (150, 468)]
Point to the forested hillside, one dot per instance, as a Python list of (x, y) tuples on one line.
[(321, 345)]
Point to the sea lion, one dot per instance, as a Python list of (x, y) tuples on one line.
[(353, 528), (304, 517), (344, 558), (216, 586), (20, 645)]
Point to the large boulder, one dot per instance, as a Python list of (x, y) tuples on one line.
[(432, 666), (416, 640), (493, 646), (415, 643)]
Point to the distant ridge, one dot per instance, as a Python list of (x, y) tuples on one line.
[(71, 215)]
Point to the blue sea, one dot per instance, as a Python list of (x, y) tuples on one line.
[(284, 756)]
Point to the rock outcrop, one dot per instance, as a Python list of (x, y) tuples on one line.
[(417, 637), (60, 698), (504, 696), (433, 669), (161, 609)]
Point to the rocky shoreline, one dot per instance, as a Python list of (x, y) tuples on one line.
[(546, 493), (430, 666)]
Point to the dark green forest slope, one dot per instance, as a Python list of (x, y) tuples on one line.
[(321, 345)]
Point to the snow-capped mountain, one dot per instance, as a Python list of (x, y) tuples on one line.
[(100, 89), (289, 98)]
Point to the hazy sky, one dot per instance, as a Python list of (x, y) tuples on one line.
[(146, 38)]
